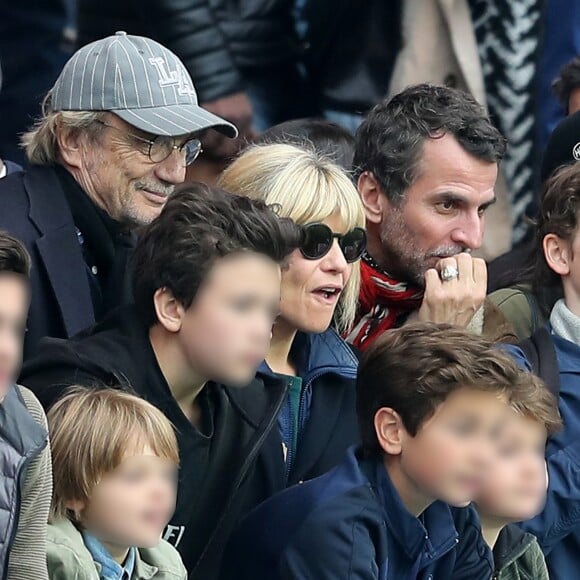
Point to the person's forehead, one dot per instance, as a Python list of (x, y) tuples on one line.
[(235, 266), (446, 152), (444, 164), (474, 402)]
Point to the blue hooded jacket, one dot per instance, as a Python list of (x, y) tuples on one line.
[(318, 421)]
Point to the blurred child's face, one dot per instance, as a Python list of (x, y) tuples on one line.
[(451, 454), (226, 332), (131, 505), (515, 488), (14, 300)]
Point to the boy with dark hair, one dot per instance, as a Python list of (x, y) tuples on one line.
[(26, 480), (567, 86), (515, 488), (207, 289), (430, 400), (554, 353)]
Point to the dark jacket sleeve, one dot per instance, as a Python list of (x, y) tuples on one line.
[(473, 559), (190, 28), (331, 548)]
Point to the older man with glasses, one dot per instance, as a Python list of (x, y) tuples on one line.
[(119, 128)]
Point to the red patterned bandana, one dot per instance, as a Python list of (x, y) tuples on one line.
[(383, 304)]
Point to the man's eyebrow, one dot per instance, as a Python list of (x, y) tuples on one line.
[(460, 199)]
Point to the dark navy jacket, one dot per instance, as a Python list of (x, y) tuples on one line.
[(558, 526), (35, 210), (351, 524), (11, 167), (327, 424)]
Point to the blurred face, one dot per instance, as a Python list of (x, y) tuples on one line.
[(14, 300), (226, 332), (442, 214), (131, 505), (515, 487), (566, 263), (452, 452), (574, 102), (311, 289), (118, 175)]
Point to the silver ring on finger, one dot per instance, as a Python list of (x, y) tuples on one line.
[(449, 273)]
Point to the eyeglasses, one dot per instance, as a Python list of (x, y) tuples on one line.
[(162, 146), (318, 240)]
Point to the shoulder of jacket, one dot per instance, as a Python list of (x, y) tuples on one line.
[(67, 557), (507, 296), (33, 405), (166, 559)]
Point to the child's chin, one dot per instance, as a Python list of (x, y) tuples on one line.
[(149, 541), (460, 503)]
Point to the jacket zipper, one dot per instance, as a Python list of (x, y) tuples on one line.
[(307, 385), (250, 458)]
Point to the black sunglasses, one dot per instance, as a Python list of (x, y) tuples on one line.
[(318, 240)]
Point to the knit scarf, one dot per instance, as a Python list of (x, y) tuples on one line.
[(384, 303)]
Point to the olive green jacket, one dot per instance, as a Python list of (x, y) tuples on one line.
[(69, 559), (517, 556)]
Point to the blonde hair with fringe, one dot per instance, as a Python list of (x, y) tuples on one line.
[(41, 142), (308, 187), (91, 432)]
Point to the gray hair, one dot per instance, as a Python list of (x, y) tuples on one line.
[(41, 143)]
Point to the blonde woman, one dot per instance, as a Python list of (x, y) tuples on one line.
[(318, 301)]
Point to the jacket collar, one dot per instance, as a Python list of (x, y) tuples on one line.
[(317, 354), (11, 167), (511, 543), (427, 537), (567, 353), (59, 248), (64, 532), (109, 568)]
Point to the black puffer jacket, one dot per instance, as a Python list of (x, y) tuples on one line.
[(190, 28), (260, 33), (348, 51)]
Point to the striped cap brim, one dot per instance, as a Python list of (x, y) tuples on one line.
[(173, 120)]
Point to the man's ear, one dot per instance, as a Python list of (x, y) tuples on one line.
[(557, 254), (390, 430), (168, 310), (372, 197), (70, 144)]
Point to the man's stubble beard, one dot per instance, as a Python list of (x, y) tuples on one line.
[(401, 257)]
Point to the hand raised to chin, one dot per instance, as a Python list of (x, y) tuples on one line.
[(454, 290)]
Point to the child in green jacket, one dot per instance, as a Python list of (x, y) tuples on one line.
[(515, 489), (115, 459)]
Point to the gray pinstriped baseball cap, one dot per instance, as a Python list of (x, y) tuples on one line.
[(140, 81)]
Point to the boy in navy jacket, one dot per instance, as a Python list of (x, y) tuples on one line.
[(430, 400), (557, 527)]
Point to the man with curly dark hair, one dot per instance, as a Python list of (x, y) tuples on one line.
[(426, 163)]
